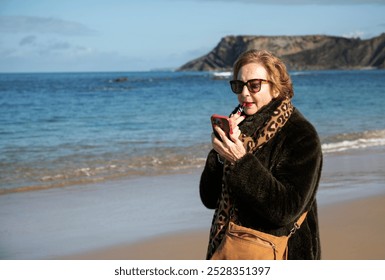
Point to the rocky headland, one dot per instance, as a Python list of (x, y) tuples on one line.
[(310, 52)]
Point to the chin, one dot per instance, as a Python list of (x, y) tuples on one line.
[(250, 111)]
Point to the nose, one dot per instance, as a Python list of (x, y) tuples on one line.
[(245, 91)]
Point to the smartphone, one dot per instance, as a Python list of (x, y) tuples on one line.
[(223, 122)]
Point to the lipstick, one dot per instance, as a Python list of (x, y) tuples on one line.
[(240, 108)]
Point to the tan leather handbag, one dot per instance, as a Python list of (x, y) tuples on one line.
[(242, 243)]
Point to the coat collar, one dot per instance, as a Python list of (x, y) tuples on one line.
[(252, 124)]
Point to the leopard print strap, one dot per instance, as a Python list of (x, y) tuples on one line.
[(251, 143)]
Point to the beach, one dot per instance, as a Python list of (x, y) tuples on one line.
[(161, 217), (351, 230)]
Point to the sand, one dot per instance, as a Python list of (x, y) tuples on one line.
[(352, 230)]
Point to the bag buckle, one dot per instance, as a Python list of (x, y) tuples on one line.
[(294, 229)]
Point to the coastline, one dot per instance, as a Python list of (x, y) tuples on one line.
[(161, 217)]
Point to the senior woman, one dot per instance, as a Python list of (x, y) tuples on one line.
[(273, 160)]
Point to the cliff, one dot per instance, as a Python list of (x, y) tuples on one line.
[(312, 52)]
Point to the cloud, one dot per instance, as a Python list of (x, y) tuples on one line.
[(42, 46), (60, 46), (42, 25), (355, 34), (72, 59), (28, 40)]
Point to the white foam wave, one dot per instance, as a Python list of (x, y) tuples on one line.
[(222, 75), (299, 73), (344, 142)]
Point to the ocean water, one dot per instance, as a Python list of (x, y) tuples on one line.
[(60, 129)]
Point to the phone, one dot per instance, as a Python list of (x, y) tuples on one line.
[(223, 122)]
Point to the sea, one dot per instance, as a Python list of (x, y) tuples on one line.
[(66, 129)]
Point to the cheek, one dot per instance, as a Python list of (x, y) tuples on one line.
[(262, 99)]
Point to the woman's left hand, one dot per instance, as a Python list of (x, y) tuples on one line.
[(232, 148)]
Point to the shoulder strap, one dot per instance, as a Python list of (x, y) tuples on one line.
[(297, 224)]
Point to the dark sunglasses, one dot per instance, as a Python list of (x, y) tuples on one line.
[(253, 85)]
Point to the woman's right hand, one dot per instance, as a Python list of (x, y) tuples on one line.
[(232, 148)]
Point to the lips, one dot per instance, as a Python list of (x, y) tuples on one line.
[(248, 104)]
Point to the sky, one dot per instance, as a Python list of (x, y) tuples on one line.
[(144, 35)]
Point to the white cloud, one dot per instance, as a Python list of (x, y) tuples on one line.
[(42, 25), (355, 34)]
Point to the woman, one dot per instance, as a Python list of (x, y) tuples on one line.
[(273, 160)]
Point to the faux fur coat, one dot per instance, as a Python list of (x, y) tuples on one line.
[(274, 186)]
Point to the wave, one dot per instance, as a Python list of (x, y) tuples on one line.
[(222, 75), (159, 162), (302, 73), (353, 141), (78, 170)]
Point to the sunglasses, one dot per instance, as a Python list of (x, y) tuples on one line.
[(253, 85)]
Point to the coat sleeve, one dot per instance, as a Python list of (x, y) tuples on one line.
[(211, 181), (280, 191)]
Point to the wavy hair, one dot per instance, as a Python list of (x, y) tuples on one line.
[(278, 76)]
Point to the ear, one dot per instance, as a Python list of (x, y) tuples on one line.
[(275, 93)]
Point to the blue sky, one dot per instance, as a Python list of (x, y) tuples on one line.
[(141, 35)]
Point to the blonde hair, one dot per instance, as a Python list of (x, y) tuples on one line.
[(278, 76)]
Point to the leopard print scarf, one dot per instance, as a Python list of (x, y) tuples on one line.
[(251, 143)]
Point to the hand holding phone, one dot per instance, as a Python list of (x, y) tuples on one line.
[(224, 123)]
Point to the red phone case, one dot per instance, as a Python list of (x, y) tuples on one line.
[(223, 122)]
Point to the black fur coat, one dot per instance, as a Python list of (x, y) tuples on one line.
[(276, 184)]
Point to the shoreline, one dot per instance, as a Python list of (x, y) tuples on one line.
[(347, 160), (130, 215)]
